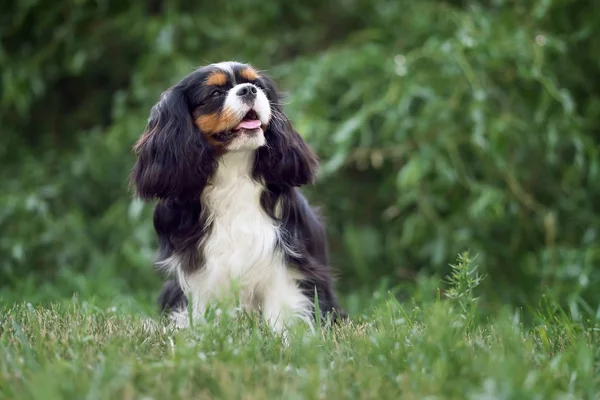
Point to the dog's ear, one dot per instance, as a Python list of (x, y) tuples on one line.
[(286, 160), (173, 158)]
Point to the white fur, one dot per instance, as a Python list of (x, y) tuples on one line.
[(235, 106), (226, 66), (241, 246)]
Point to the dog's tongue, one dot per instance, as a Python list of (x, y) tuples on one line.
[(249, 124)]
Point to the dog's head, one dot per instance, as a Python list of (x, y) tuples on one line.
[(216, 109)]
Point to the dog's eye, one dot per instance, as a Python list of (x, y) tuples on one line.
[(216, 93)]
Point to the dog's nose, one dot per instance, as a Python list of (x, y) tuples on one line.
[(247, 92)]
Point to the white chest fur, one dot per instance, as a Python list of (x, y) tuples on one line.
[(240, 249)]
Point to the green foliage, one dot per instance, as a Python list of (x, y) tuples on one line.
[(463, 281), (442, 127)]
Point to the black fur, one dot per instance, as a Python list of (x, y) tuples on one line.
[(287, 160), (175, 162), (172, 297)]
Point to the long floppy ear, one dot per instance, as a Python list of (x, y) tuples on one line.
[(286, 160), (173, 158)]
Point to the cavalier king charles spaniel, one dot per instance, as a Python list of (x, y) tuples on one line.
[(224, 163)]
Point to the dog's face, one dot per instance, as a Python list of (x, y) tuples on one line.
[(230, 106), (216, 109)]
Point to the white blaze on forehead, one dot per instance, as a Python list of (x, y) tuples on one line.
[(227, 67)]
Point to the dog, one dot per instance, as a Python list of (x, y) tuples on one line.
[(224, 165)]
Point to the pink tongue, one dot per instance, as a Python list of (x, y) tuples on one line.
[(250, 124)]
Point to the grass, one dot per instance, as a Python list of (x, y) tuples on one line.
[(444, 348)]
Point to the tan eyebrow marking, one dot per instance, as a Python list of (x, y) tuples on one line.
[(249, 73), (216, 79)]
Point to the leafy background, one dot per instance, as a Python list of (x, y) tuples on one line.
[(443, 126)]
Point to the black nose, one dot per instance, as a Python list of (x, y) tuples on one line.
[(247, 92)]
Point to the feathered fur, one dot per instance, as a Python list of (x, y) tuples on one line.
[(225, 214)]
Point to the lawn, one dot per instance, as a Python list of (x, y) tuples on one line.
[(447, 347)]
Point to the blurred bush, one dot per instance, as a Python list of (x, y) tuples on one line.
[(442, 127)]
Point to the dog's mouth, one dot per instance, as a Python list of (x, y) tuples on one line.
[(250, 122)]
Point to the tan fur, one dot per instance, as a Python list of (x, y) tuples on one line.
[(216, 79), (249, 73), (217, 122)]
